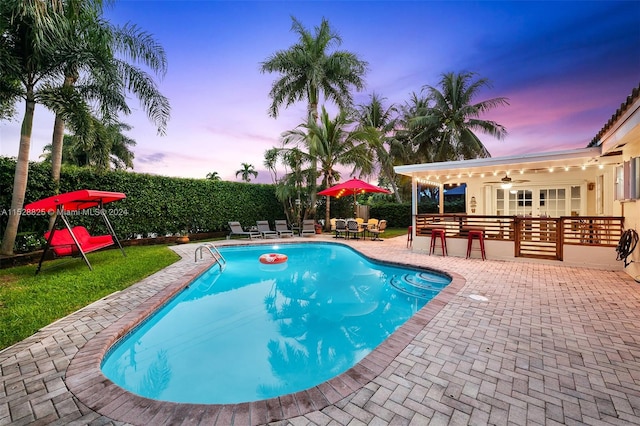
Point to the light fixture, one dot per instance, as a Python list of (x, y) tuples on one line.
[(506, 182), (473, 204)]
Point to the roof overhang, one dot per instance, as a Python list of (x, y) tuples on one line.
[(623, 130), (453, 171)]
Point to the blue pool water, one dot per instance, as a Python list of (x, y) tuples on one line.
[(258, 331)]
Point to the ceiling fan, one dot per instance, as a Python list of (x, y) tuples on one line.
[(506, 181)]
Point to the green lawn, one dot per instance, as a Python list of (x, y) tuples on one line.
[(29, 302), (393, 232)]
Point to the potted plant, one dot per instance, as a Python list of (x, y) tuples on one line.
[(183, 237)]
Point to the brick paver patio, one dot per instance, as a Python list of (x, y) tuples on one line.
[(548, 344)]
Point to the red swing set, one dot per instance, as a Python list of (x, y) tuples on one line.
[(75, 241)]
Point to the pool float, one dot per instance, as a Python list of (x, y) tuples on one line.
[(273, 258)]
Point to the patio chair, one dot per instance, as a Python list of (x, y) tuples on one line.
[(354, 229), (382, 225), (265, 230), (372, 223), (308, 227), (341, 228), (236, 229), (283, 229)]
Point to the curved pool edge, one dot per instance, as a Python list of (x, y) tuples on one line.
[(85, 380)]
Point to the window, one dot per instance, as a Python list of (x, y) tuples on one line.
[(627, 185), (553, 202)]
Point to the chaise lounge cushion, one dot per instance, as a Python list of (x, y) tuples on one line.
[(62, 243)]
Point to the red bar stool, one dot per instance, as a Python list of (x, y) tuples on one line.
[(410, 237), (479, 234), (435, 234)]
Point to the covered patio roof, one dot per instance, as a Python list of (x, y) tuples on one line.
[(457, 171)]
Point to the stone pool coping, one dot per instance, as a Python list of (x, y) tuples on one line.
[(85, 380)]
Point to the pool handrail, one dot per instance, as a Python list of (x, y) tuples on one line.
[(217, 256)]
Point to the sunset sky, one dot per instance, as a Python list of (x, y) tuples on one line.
[(564, 66)]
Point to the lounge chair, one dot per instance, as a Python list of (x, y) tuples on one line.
[(308, 227), (341, 228), (236, 229), (283, 229), (382, 225), (265, 230)]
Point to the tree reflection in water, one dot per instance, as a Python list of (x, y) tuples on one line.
[(352, 299)]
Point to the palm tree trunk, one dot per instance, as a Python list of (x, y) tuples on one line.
[(20, 178), (313, 113), (313, 186), (57, 141), (327, 215), (56, 152), (391, 177), (56, 159)]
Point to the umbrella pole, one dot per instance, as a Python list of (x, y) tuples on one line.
[(355, 210)]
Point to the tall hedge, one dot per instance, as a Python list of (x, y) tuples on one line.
[(154, 204), (399, 215)]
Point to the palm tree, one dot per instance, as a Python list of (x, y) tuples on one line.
[(214, 176), (246, 171), (378, 125), (332, 144), (415, 140), (270, 162), (108, 147), (452, 118), (307, 70), (108, 77), (32, 50)]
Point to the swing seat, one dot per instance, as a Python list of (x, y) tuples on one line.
[(76, 241), (62, 243)]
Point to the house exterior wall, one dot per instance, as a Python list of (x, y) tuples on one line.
[(624, 133)]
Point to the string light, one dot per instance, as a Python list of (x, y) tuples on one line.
[(429, 179)]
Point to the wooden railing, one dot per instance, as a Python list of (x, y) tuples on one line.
[(541, 237)]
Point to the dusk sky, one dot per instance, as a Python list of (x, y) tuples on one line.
[(565, 68)]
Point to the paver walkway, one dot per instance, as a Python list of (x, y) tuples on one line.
[(549, 345)]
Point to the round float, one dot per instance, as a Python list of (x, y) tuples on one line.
[(273, 258)]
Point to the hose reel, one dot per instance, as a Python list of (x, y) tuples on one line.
[(626, 245)]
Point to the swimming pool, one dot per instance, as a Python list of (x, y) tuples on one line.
[(257, 331)]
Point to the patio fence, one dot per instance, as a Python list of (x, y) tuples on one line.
[(538, 237)]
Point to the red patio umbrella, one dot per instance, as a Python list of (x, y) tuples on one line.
[(352, 187)]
